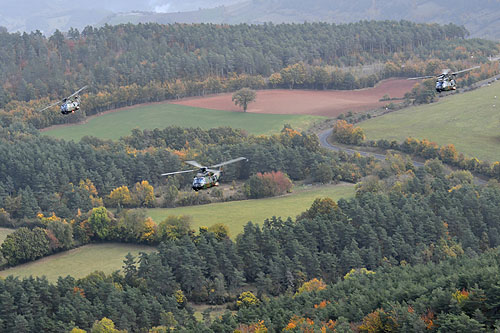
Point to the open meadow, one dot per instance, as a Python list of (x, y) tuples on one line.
[(79, 262), (235, 214), (328, 103), (4, 232), (120, 122), (470, 121)]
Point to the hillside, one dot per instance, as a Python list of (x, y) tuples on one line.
[(469, 121), (481, 17)]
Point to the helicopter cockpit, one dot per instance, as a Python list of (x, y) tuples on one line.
[(198, 183)]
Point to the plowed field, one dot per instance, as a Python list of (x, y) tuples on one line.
[(329, 103)]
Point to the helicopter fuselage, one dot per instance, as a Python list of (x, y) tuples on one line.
[(69, 107), (205, 180), (445, 83)]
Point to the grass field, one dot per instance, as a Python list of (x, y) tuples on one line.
[(117, 124), (79, 262), (470, 121), (236, 214), (4, 232)]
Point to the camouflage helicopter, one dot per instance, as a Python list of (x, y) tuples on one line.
[(206, 177), (69, 104), (446, 80)]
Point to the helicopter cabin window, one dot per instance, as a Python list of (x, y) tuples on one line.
[(199, 180)]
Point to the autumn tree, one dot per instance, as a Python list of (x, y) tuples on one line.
[(144, 194), (243, 97), (344, 132), (120, 196), (312, 285)]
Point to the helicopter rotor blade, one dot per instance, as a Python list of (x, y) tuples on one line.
[(466, 70), (77, 92), (51, 105), (420, 77), (195, 164), (228, 162), (177, 172)]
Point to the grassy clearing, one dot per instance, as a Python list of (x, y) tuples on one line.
[(470, 121), (215, 310), (79, 262), (117, 124), (4, 232), (236, 214)]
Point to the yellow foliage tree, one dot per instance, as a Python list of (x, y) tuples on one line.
[(247, 298), (220, 230), (275, 79), (144, 193), (77, 330), (105, 325), (346, 133), (461, 296), (120, 196), (149, 231), (312, 285), (354, 272)]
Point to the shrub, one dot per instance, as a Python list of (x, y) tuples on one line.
[(268, 184)]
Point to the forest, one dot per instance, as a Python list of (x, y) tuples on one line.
[(336, 265), (43, 174), (131, 64)]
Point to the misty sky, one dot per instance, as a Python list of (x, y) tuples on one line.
[(17, 8), (48, 15)]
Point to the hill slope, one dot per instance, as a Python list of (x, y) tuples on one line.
[(470, 121), (480, 17)]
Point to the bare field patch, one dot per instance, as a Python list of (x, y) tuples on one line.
[(328, 103)]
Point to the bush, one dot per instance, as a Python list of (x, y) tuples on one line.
[(268, 184)]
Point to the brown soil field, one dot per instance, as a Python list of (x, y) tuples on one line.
[(329, 103)]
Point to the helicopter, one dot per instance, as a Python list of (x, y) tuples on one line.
[(205, 177), (69, 104), (446, 80)]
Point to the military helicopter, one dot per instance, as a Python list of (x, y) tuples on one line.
[(206, 177), (446, 80), (69, 104)]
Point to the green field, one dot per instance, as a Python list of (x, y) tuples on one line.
[(79, 262), (470, 121), (4, 232), (236, 214), (117, 124)]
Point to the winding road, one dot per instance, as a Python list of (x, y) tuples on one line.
[(323, 139)]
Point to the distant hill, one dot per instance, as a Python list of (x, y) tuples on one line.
[(481, 17)]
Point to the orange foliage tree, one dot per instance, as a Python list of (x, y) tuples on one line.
[(344, 132), (312, 285)]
